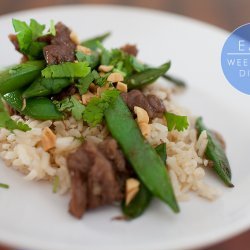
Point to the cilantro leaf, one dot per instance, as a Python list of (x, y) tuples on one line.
[(27, 37), (177, 122), (67, 69), (8, 123), (92, 60), (94, 112), (84, 83), (71, 104), (36, 29), (52, 29)]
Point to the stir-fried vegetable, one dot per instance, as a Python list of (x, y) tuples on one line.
[(93, 43), (7, 122), (3, 185), (19, 76), (46, 86), (40, 108), (215, 153), (142, 199), (147, 76), (140, 154), (66, 69)]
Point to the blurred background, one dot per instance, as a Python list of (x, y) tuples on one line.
[(226, 14)]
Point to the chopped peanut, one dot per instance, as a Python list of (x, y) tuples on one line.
[(73, 36), (142, 115), (87, 97), (115, 77), (48, 139), (105, 68), (84, 50), (132, 188), (145, 128), (122, 87)]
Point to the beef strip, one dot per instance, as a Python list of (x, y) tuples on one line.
[(98, 174), (152, 104), (61, 47), (69, 91), (130, 49)]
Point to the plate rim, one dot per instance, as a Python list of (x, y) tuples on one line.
[(210, 240)]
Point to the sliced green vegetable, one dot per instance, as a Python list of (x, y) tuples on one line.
[(40, 108), (177, 122), (215, 153), (94, 112), (71, 104), (67, 69), (147, 76), (92, 43), (55, 184), (176, 81), (144, 159), (46, 86), (84, 83), (52, 29), (7, 122), (92, 60), (142, 199), (2, 185), (19, 75)]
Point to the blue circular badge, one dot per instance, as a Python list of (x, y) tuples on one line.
[(235, 59)]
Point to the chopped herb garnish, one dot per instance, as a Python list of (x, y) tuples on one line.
[(71, 104), (52, 29), (84, 83), (67, 69), (27, 35), (92, 60), (177, 122), (94, 112), (2, 185), (56, 184), (93, 43)]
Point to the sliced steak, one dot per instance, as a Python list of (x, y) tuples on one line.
[(152, 104), (130, 49), (61, 47), (98, 175), (69, 91)]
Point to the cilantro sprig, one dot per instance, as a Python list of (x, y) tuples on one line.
[(94, 111), (27, 35), (177, 122)]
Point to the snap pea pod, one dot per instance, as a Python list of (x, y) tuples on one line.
[(142, 157), (40, 108), (92, 43), (147, 76), (45, 87), (19, 75), (176, 81), (215, 153), (142, 199)]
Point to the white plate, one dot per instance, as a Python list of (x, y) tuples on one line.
[(33, 218)]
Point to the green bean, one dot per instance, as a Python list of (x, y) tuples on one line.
[(142, 157), (147, 76), (215, 153), (176, 81), (40, 108), (142, 199), (19, 76), (92, 43), (46, 86)]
